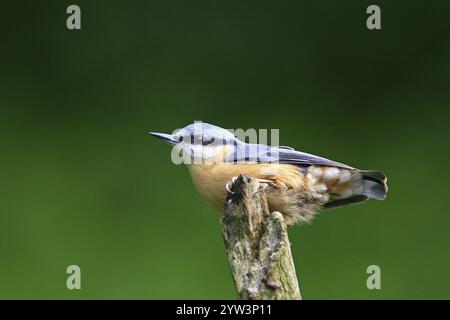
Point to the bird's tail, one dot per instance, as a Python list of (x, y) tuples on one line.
[(373, 184), (364, 184)]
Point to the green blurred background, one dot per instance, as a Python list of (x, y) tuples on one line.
[(82, 183)]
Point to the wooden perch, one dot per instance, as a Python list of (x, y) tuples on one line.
[(258, 246)]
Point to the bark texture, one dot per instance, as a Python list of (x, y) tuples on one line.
[(258, 246)]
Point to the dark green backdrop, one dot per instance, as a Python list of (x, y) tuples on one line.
[(82, 183)]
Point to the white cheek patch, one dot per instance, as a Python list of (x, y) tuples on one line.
[(203, 154), (192, 154), (209, 152), (196, 151)]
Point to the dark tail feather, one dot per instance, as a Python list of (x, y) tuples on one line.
[(373, 185), (346, 201)]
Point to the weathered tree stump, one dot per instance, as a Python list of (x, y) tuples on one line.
[(258, 246)]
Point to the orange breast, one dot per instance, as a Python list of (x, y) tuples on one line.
[(210, 179)]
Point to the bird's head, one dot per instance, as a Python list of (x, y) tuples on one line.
[(201, 143)]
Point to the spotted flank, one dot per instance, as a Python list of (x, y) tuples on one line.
[(336, 187)]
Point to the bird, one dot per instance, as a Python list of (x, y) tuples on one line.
[(296, 183)]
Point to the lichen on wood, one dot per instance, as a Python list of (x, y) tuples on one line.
[(257, 244)]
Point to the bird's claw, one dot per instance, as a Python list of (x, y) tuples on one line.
[(264, 185), (229, 184)]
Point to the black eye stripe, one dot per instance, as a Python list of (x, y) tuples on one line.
[(207, 140), (204, 140)]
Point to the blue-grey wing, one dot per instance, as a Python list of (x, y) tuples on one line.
[(267, 154), (297, 157)]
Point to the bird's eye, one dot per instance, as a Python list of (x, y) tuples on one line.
[(180, 139), (207, 140)]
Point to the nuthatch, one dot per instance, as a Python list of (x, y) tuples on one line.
[(297, 184)]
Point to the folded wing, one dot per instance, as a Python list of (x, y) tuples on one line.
[(267, 154)]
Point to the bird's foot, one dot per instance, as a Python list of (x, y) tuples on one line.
[(264, 184), (230, 183)]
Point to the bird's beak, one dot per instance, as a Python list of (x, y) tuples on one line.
[(167, 137)]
